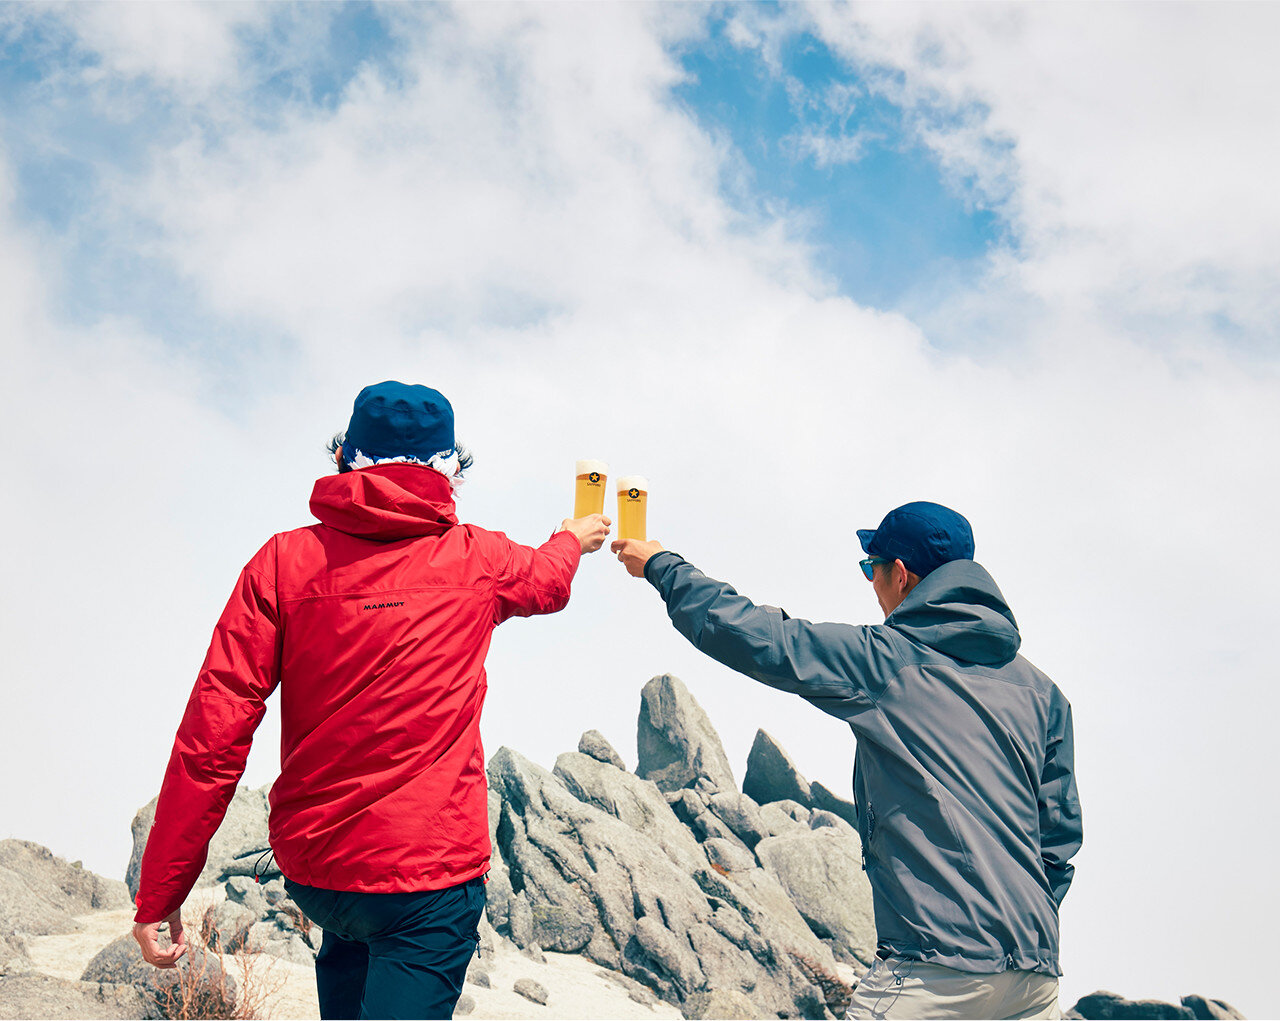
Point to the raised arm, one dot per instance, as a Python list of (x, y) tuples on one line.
[(823, 663)]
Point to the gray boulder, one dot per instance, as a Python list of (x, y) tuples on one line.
[(34, 995), (740, 814), (237, 846), (772, 776), (728, 856), (531, 990), (720, 1003), (675, 741), (40, 893), (198, 987), (636, 802), (1210, 1010), (825, 799), (559, 929), (782, 817), (593, 743), (652, 919), (822, 873), (498, 889), (250, 895), (225, 927), (1104, 1006)]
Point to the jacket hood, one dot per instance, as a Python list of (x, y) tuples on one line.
[(959, 611), (385, 502)]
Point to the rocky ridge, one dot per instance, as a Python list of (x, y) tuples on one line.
[(679, 886)]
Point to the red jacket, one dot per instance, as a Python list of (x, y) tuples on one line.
[(375, 625)]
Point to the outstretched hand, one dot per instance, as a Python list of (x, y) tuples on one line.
[(148, 937), (591, 530), (635, 553)]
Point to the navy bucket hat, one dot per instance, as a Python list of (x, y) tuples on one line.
[(924, 536), (394, 420)]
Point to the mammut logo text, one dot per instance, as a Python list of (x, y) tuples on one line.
[(381, 606)]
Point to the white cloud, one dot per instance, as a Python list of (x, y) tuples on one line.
[(1133, 152)]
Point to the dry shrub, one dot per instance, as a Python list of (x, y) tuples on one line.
[(837, 992), (203, 989)]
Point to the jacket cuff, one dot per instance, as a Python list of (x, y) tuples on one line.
[(658, 565)]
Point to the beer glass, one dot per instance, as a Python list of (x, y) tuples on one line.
[(633, 493), (588, 495)]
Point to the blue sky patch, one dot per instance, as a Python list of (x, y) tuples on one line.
[(885, 222)]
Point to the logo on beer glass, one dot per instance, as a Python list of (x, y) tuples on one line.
[(594, 477), (633, 493)]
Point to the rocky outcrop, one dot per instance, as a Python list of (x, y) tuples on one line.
[(1210, 1010), (32, 996), (237, 848), (40, 893), (1104, 1006), (675, 741), (658, 911)]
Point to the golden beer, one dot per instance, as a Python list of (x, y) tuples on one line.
[(588, 494), (633, 494)]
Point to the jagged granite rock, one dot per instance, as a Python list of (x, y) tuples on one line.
[(1104, 1006), (209, 989), (678, 933), (675, 741), (631, 800), (827, 800), (40, 893), (783, 817), (235, 849), (1210, 1010), (728, 856), (772, 776), (822, 873), (720, 1003), (593, 743), (741, 814), (33, 995), (559, 929), (498, 889), (465, 1005)]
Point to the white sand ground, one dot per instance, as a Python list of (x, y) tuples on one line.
[(577, 987)]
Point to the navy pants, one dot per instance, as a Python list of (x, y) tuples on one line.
[(392, 955)]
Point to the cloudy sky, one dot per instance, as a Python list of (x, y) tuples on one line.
[(796, 264)]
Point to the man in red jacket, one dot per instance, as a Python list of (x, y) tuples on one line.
[(374, 624)]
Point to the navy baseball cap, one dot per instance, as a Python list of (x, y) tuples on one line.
[(924, 536), (396, 420)]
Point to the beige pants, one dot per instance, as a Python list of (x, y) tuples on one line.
[(898, 988)]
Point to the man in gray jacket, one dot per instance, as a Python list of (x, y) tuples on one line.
[(963, 774)]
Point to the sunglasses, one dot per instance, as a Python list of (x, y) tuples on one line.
[(868, 566)]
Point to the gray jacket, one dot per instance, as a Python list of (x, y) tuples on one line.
[(963, 774)]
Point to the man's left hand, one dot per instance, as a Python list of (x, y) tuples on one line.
[(634, 554), (148, 937)]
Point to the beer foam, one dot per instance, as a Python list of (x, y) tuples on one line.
[(633, 482), (587, 467)]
